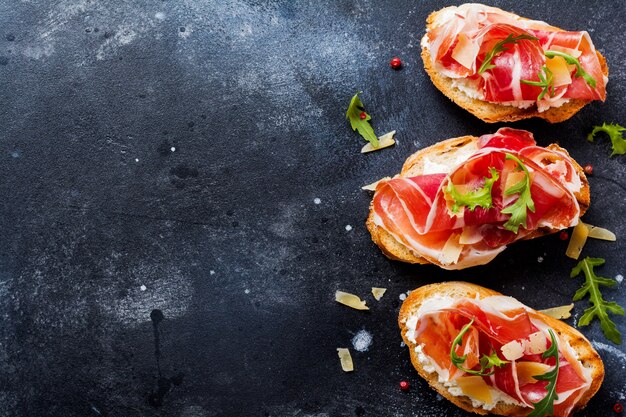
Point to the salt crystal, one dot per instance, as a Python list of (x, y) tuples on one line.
[(317, 200), (362, 341), (348, 227)]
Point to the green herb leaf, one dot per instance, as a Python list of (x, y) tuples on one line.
[(361, 125), (615, 134), (524, 201), (486, 362), (600, 308), (472, 199), (580, 72), (545, 82), (545, 407), (498, 48), (489, 361)]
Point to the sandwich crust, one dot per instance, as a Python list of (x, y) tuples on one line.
[(493, 112), (586, 354), (446, 152)]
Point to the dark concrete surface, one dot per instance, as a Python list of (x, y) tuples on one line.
[(161, 251)]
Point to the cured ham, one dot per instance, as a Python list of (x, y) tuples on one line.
[(494, 322), (502, 58), (429, 214)]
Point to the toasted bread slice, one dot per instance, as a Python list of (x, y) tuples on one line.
[(493, 112), (586, 354), (447, 153)]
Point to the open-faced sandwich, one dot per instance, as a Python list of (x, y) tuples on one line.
[(502, 67), (459, 203), (488, 353)]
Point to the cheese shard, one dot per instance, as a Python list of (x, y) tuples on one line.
[(577, 242), (527, 370), (476, 388), (560, 312), (596, 232), (536, 343), (560, 71), (465, 51), (512, 350), (384, 141), (378, 292), (451, 250), (372, 186), (346, 359), (350, 300)]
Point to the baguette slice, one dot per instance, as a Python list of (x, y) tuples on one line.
[(586, 354), (446, 153), (493, 112)]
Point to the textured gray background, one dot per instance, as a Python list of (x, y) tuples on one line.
[(166, 155)]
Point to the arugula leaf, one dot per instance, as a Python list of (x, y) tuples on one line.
[(545, 82), (615, 134), (472, 199), (600, 308), (489, 361), (499, 48), (545, 407), (525, 201), (580, 72), (486, 361), (361, 125)]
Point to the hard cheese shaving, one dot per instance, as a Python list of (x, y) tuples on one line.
[(350, 300), (384, 141), (577, 242), (372, 186), (378, 292), (346, 359), (579, 237), (560, 312), (596, 232)]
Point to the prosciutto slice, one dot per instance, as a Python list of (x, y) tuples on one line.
[(461, 38), (498, 320), (418, 211)]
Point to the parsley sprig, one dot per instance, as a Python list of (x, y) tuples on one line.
[(600, 308), (615, 134), (361, 125), (486, 361), (545, 407), (580, 72), (524, 201), (545, 82), (499, 47), (480, 197)]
